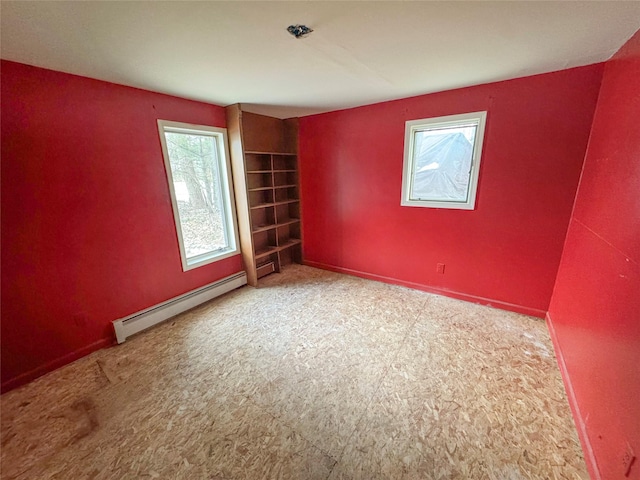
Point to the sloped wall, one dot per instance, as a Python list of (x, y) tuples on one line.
[(595, 308)]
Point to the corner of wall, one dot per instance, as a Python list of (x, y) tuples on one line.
[(589, 456)]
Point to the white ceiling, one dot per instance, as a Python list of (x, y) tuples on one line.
[(360, 52)]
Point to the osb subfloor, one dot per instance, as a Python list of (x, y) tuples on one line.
[(315, 375)]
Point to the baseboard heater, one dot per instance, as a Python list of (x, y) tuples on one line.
[(125, 327)]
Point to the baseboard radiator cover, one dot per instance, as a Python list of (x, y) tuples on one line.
[(125, 327)]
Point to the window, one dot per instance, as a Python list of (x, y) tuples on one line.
[(442, 161), (197, 164)]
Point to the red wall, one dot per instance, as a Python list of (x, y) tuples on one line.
[(595, 308), (87, 228), (505, 252)]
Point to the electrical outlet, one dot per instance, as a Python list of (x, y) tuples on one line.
[(440, 268), (628, 458)]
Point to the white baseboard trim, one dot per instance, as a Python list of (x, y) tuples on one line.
[(125, 327)]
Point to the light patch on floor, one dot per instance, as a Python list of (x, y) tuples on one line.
[(314, 375)]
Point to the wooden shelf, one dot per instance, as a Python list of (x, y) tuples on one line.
[(265, 251), (292, 242), (259, 189), (264, 228), (256, 152), (271, 249), (265, 176), (273, 204)]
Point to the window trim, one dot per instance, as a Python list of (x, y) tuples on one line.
[(413, 126), (231, 227)]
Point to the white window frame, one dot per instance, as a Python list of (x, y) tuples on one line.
[(228, 198), (449, 121)]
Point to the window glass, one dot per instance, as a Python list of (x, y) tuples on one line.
[(198, 173), (442, 157)]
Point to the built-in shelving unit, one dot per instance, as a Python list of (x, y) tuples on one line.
[(265, 175)]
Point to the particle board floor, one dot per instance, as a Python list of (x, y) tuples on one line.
[(315, 375)]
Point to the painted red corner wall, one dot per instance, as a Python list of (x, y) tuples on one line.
[(595, 308), (505, 252), (87, 228)]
